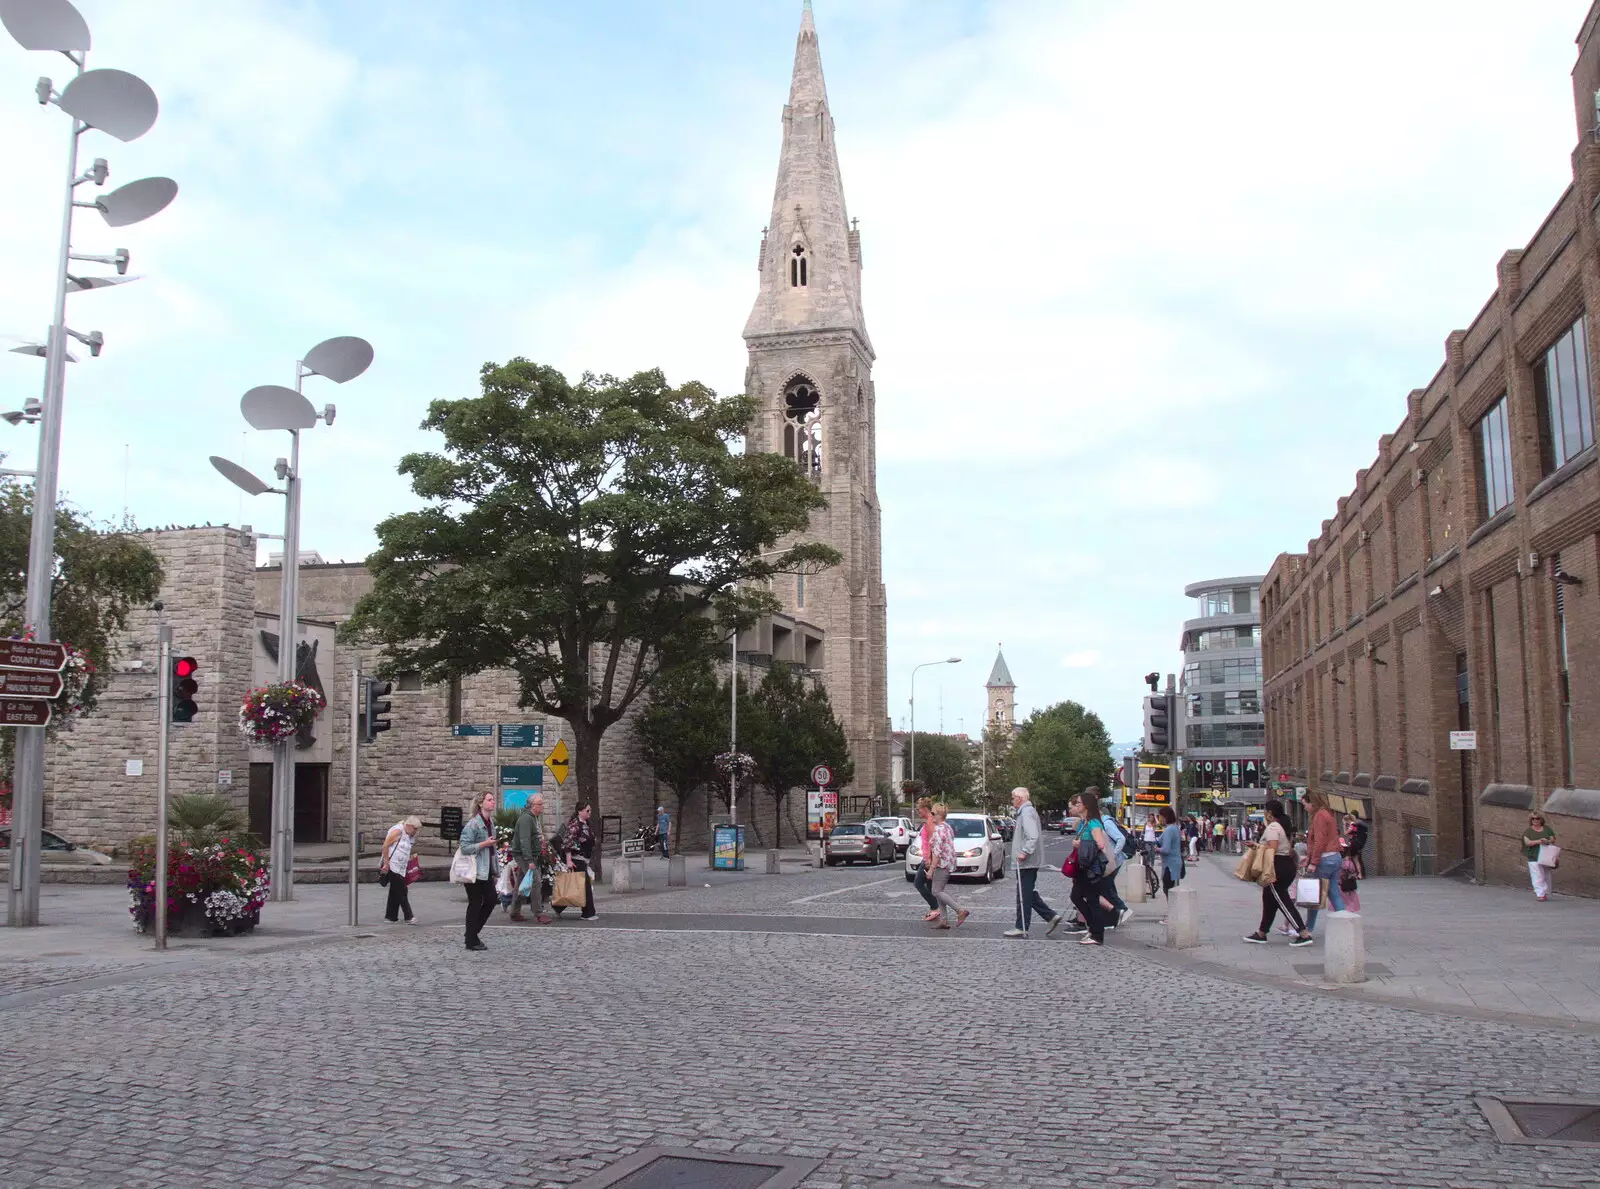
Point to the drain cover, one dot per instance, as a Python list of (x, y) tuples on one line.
[(685, 1168), (1563, 1121)]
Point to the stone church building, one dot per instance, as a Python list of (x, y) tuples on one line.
[(810, 362)]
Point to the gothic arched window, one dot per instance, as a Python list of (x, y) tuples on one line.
[(802, 425), (797, 267)]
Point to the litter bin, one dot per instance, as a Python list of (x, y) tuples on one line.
[(727, 847)]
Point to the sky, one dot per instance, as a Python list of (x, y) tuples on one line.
[(1147, 280)]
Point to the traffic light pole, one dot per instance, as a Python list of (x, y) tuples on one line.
[(356, 700), (164, 717), (282, 850)]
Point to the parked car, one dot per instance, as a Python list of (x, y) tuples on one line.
[(857, 842), (1065, 824), (980, 848), (56, 849), (899, 829)]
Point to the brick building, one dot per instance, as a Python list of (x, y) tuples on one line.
[(1457, 587)]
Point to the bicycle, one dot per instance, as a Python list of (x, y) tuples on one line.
[(1152, 873)]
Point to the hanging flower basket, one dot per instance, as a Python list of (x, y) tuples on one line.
[(273, 713)]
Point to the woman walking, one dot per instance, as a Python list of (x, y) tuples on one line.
[(1536, 835), (1094, 860), (576, 845), (394, 865), (941, 866), (1279, 894), (477, 838), (922, 882), (1171, 848), (1324, 858)]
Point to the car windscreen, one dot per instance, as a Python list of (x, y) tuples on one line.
[(967, 827), (849, 830), (885, 823)]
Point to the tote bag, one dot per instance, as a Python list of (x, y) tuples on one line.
[(569, 889), (1550, 856), (1309, 892), (464, 868)]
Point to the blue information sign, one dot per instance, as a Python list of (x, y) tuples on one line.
[(521, 734), (521, 775), (727, 848), (468, 728)]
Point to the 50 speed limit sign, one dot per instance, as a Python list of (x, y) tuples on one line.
[(822, 776)]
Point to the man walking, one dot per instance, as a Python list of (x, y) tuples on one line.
[(1027, 843), (527, 848), (663, 826)]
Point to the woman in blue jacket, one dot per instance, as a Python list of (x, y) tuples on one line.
[(1171, 848), (477, 838)]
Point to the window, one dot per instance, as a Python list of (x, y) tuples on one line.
[(800, 590), (802, 428), (1561, 380), (1494, 458), (408, 681), (797, 267)]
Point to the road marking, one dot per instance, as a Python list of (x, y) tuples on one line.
[(841, 891)]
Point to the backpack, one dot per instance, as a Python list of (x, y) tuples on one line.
[(1121, 844)]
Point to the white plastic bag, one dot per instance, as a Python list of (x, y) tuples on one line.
[(463, 868)]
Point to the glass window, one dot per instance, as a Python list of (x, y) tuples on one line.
[(1494, 458), (966, 827), (855, 829), (1561, 381), (408, 680)]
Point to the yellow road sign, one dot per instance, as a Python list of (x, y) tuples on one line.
[(558, 762)]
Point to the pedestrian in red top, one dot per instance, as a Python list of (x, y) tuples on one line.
[(1323, 856)]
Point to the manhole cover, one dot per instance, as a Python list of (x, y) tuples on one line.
[(682, 1168), (1563, 1121)]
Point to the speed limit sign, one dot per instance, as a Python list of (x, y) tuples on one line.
[(822, 776)]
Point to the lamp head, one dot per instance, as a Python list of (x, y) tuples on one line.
[(120, 259), (99, 171)]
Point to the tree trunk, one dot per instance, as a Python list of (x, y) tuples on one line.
[(586, 743)]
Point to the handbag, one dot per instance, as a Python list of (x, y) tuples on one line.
[(464, 868), (1550, 855), (413, 870), (1310, 892), (569, 889), (1069, 865), (383, 878)]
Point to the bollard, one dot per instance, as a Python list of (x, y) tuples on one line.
[(1344, 958), (621, 877), (1183, 919), (774, 862), (636, 875), (1130, 882), (677, 872)]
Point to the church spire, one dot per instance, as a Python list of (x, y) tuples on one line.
[(811, 256)]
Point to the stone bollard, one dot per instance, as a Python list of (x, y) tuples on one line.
[(621, 877), (636, 875), (1183, 919), (677, 872), (774, 862), (1130, 882), (1344, 958)]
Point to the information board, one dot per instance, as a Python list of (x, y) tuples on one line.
[(450, 822)]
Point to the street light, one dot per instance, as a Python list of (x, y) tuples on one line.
[(733, 712), (122, 106), (274, 407), (911, 773)]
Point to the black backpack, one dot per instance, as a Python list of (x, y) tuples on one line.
[(1130, 845)]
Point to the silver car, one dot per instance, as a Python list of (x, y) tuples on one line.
[(857, 842)]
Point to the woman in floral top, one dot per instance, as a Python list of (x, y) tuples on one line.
[(941, 866), (577, 848)]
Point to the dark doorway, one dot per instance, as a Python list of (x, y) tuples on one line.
[(310, 802)]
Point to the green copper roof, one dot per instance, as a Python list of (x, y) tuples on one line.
[(1000, 675)]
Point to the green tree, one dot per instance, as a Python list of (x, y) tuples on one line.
[(996, 783), (791, 729), (585, 536), (1058, 752), (945, 767), (101, 575), (681, 731)]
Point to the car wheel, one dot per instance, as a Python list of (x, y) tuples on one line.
[(910, 878), (874, 860), (988, 873)]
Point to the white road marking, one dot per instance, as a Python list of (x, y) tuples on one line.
[(841, 891)]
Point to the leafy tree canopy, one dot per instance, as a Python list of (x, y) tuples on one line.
[(584, 536), (683, 728), (1058, 752), (944, 766), (790, 728)]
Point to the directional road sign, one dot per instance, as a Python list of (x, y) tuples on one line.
[(521, 775), (558, 761), (469, 728), (515, 734), (32, 654), (29, 683), (24, 712)]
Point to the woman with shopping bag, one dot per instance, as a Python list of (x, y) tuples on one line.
[(1540, 849), (1323, 857), (395, 868), (576, 846), (1278, 895), (478, 845)]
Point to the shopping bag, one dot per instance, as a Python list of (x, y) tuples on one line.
[(503, 886), (1245, 868), (413, 870), (525, 888), (1550, 856), (464, 868), (569, 889), (1310, 892)]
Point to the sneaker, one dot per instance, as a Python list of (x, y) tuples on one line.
[(1305, 939), (477, 945), (1124, 915), (1077, 927), (1055, 923), (1256, 938), (941, 924), (1014, 932), (411, 920), (593, 916), (1087, 941)]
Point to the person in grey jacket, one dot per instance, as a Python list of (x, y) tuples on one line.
[(1027, 843), (477, 838), (529, 852)]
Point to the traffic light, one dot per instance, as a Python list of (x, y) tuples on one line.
[(184, 688), (1158, 724), (374, 705)]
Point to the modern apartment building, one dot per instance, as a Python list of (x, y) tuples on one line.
[(1223, 726), (1433, 657)]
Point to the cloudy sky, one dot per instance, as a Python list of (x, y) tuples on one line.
[(1147, 280)]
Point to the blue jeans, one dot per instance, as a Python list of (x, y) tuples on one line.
[(1327, 868)]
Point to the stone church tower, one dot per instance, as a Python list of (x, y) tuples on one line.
[(811, 367), (1000, 694)]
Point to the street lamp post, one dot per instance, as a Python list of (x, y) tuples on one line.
[(123, 106), (273, 407), (911, 773)]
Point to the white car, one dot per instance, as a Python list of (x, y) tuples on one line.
[(980, 848), (898, 828)]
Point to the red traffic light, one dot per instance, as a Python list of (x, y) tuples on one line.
[(185, 667)]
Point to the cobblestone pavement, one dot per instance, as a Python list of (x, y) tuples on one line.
[(399, 1059)]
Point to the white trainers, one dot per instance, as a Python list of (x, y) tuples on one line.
[(1014, 932)]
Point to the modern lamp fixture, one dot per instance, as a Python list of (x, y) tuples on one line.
[(274, 407), (124, 107)]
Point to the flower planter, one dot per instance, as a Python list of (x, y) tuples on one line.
[(212, 891)]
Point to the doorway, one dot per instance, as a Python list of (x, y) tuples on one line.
[(310, 802)]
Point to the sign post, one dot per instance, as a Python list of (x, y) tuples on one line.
[(355, 779), (164, 715)]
